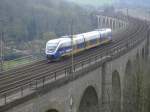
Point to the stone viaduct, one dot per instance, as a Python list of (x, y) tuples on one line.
[(107, 86)]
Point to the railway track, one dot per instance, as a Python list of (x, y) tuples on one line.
[(31, 67), (45, 67), (37, 69), (15, 78), (16, 72)]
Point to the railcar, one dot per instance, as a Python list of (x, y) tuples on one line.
[(65, 46)]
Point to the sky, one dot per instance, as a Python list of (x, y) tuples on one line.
[(145, 3), (94, 2)]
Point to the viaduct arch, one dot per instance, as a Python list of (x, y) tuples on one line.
[(116, 92), (52, 110), (89, 101)]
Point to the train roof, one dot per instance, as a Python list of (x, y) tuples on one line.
[(92, 34), (58, 40), (96, 32), (104, 29)]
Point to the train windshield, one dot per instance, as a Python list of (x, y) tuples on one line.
[(51, 47)]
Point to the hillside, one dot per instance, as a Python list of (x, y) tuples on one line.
[(29, 18), (28, 24)]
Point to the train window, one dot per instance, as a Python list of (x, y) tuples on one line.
[(60, 47), (102, 35), (51, 47), (66, 44), (93, 41), (80, 45)]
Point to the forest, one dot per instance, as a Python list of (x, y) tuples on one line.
[(28, 24)]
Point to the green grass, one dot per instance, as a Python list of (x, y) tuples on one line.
[(16, 63)]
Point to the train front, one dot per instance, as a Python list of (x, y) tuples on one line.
[(51, 50)]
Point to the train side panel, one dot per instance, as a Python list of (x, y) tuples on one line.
[(82, 42)]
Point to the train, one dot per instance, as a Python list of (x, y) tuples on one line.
[(72, 44)]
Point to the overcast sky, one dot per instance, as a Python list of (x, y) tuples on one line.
[(110, 2), (93, 2)]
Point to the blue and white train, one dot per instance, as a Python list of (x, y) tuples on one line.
[(57, 48)]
